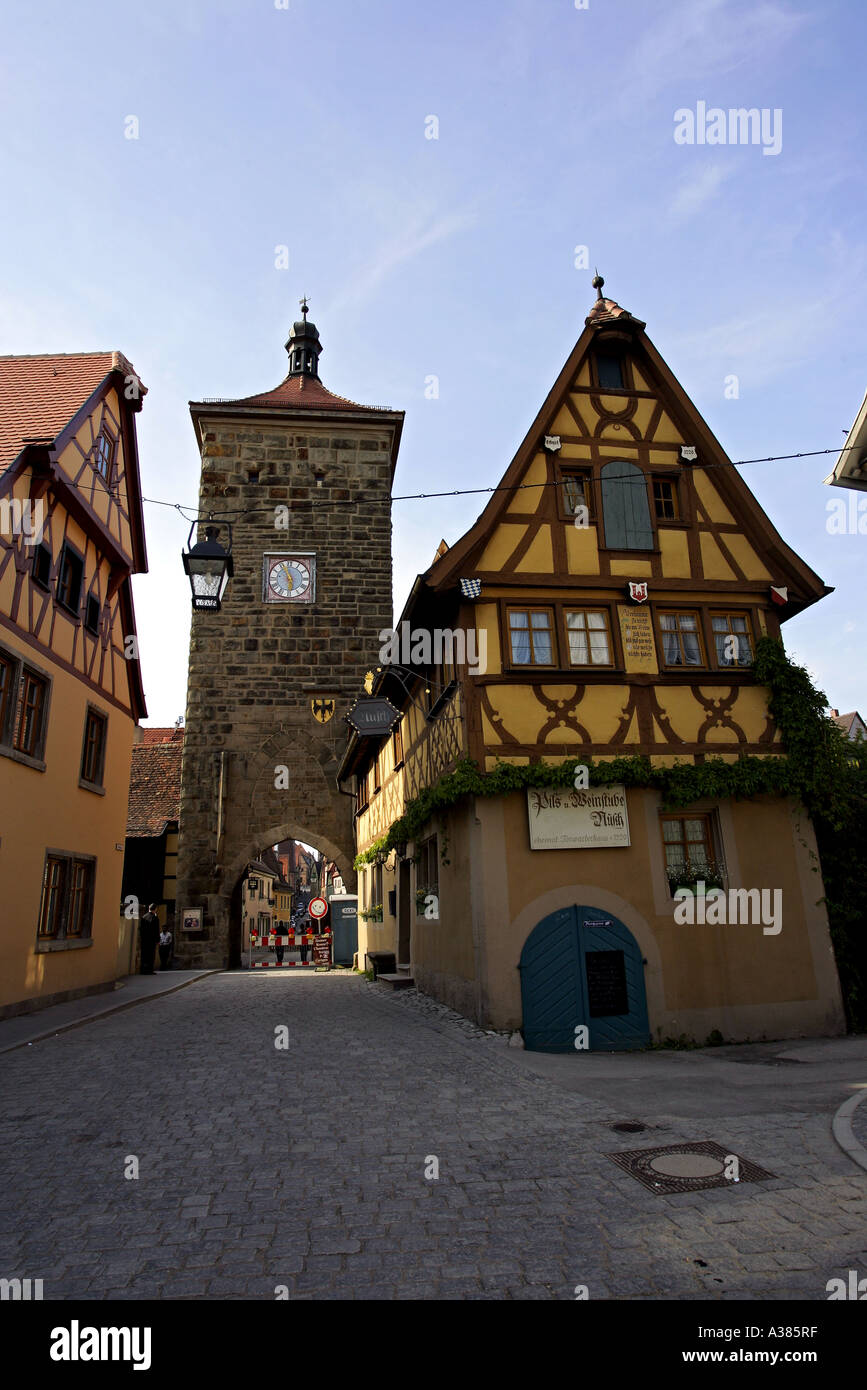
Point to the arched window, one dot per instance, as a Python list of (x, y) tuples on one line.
[(625, 510)]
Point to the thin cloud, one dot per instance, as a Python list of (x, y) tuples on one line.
[(418, 236), (695, 192), (710, 37)]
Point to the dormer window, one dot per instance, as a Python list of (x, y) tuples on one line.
[(103, 455)]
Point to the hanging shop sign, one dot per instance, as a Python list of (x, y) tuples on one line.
[(373, 717)]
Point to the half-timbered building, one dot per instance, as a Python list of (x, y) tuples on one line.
[(606, 604), (71, 537)]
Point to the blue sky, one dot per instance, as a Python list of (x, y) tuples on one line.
[(261, 127)]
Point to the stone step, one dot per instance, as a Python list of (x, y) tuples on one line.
[(396, 981)]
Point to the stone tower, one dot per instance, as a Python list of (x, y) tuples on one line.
[(304, 477)]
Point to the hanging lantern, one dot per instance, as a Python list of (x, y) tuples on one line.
[(208, 567)]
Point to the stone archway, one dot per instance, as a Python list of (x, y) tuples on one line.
[(252, 813), (288, 830)]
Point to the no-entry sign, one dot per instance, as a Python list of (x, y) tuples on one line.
[(317, 908)]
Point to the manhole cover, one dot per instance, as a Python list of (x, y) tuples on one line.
[(628, 1127), (688, 1167), (685, 1165)]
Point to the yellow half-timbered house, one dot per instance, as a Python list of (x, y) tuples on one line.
[(606, 604), (71, 537)]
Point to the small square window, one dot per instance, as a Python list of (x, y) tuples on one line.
[(93, 749), (589, 639), (575, 492), (53, 895), (733, 639), (531, 637), (91, 620), (103, 455), (42, 566), (665, 501), (66, 909), (70, 579), (681, 639), (30, 715), (688, 846)]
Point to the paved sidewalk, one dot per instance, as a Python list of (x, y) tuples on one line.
[(183, 1152), (57, 1018)]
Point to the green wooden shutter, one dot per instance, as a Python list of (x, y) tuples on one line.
[(624, 507)]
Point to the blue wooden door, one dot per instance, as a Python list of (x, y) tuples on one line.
[(582, 966)]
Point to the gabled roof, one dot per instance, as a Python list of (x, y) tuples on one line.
[(846, 722), (154, 786), (850, 469), (259, 867), (608, 319), (40, 394)]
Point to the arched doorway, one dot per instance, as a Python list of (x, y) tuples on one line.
[(581, 966)]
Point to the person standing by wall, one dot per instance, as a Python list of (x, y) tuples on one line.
[(149, 931), (165, 949)]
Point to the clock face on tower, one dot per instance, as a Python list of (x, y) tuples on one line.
[(289, 578)]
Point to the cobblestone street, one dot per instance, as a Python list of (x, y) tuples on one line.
[(304, 1167)]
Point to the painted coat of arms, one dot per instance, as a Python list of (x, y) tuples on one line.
[(322, 710)]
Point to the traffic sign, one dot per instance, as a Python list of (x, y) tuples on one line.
[(317, 908)]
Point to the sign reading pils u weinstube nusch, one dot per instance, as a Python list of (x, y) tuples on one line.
[(594, 818)]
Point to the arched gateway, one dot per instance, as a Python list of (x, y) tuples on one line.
[(304, 477)]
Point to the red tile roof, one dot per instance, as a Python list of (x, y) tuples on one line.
[(298, 393), (40, 394), (152, 735), (155, 784)]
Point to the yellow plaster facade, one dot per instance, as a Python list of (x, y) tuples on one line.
[(67, 644), (629, 488)]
